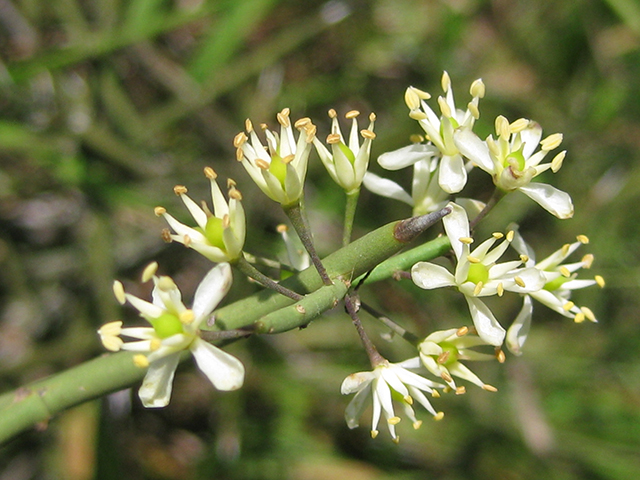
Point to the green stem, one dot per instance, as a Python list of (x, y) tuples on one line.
[(351, 303), (264, 312), (298, 221), (251, 271), (349, 215)]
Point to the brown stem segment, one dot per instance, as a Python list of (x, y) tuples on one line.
[(251, 271), (352, 304), (407, 230)]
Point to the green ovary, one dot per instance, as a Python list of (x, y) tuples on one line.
[(518, 157), (451, 350), (278, 168), (347, 153), (213, 231), (555, 284), (167, 325), (478, 273)]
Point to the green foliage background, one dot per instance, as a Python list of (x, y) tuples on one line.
[(105, 105)]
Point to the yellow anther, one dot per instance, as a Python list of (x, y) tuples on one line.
[(579, 318), (351, 114), (374, 433), (461, 390), (416, 138), (333, 138), (500, 356), (111, 342), (210, 173), (564, 271), (417, 115), (599, 281), (500, 289), (226, 221), (187, 317), (588, 314), (489, 388), (155, 344), (111, 329), (524, 258), (140, 361), (302, 123), (118, 291), (283, 117), (186, 240), (519, 125), (248, 125), (444, 107), (396, 440), (462, 331), (478, 288), (180, 190), (443, 357), (587, 260), (568, 306), (477, 88), (264, 126), (445, 82), (165, 283), (408, 399), (435, 394), (282, 228), (510, 235), (372, 117), (239, 155), (551, 142), (583, 239), (165, 234), (565, 249), (497, 235), (466, 240), (288, 159), (332, 113), (557, 161), (445, 376), (149, 271), (473, 259), (438, 416), (235, 194), (240, 139), (367, 134), (502, 126), (159, 211), (393, 420), (473, 109), (263, 164), (519, 281), (417, 424)]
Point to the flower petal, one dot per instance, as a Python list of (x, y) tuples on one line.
[(550, 198), (428, 276), (456, 224), (486, 324), (453, 174), (223, 370), (386, 188), (213, 287), (519, 329), (155, 391), (470, 145), (406, 156)]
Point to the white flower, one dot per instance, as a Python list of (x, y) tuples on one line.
[(280, 168), (512, 163), (440, 129), (426, 194), (442, 351), (386, 382), (477, 274), (561, 280), (220, 235), (174, 328), (347, 163)]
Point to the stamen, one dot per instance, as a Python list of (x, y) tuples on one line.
[(288, 159), (510, 235), (282, 228), (478, 288), (416, 138), (367, 134), (417, 115), (332, 113), (519, 125), (140, 361), (519, 281), (149, 271), (333, 138), (564, 271), (461, 390), (302, 123), (588, 313), (446, 81), (551, 142), (466, 240), (557, 161), (180, 189), (374, 433), (240, 139), (187, 317), (583, 239), (497, 235), (248, 126), (351, 114), (473, 259), (396, 440), (283, 117), (500, 289), (372, 117), (408, 399), (473, 109), (435, 394), (111, 342), (118, 291), (239, 155), (524, 258), (477, 88), (417, 424), (210, 173), (568, 306), (462, 331), (443, 357), (159, 211), (579, 318), (155, 344), (599, 281), (393, 420), (446, 377), (502, 126), (500, 356), (166, 235), (235, 194), (444, 107), (186, 240), (438, 416), (165, 283), (489, 388), (111, 329), (587, 260), (263, 164)]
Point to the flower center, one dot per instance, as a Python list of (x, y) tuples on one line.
[(278, 168), (478, 273), (555, 284), (167, 325), (515, 159), (449, 353), (213, 232)]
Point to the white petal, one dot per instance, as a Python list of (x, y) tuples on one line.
[(386, 188), (519, 329), (356, 406), (453, 174), (486, 324), (213, 287), (456, 224), (470, 146), (550, 198), (155, 391), (356, 382), (428, 276), (406, 156), (224, 371)]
